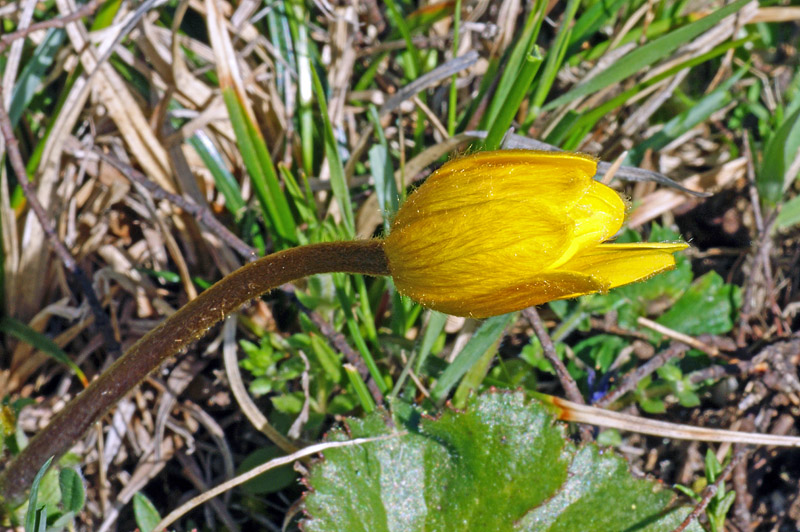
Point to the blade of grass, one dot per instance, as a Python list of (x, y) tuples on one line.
[(790, 214), (259, 164), (555, 58), (473, 378), (338, 181), (299, 29), (34, 72), (514, 65), (35, 515), (346, 303), (436, 323), (697, 113), (590, 21), (483, 340), (414, 64), (453, 95), (223, 179), (303, 200), (646, 55), (779, 153), (367, 403), (506, 114), (580, 127), (383, 172), (17, 329)]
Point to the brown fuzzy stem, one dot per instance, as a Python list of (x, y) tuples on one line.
[(177, 332)]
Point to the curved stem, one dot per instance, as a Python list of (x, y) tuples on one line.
[(177, 332)]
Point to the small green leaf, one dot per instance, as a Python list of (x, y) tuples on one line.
[(72, 493), (709, 306), (145, 513)]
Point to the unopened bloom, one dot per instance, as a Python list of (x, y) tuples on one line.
[(499, 231)]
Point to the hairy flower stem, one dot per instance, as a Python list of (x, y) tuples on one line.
[(177, 332)]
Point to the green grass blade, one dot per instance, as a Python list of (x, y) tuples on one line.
[(30, 79), (346, 302), (367, 403), (258, 161), (452, 101), (223, 179), (506, 114), (36, 516), (338, 181), (555, 57), (590, 21), (413, 66), (646, 55), (383, 172), (484, 338), (686, 120), (30, 336), (790, 214), (435, 326), (578, 128), (299, 30), (514, 65), (779, 153)]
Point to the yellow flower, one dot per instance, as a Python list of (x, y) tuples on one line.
[(499, 231)]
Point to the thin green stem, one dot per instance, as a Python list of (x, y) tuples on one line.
[(177, 332)]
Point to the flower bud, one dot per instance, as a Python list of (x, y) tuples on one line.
[(499, 231)]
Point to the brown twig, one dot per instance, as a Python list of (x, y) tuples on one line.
[(567, 382), (83, 281), (177, 332), (711, 490), (635, 376), (85, 11), (200, 212)]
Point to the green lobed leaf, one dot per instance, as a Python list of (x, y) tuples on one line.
[(500, 465), (709, 306)]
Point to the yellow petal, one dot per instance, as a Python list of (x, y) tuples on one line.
[(477, 302), (619, 264), (596, 217), (492, 218)]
